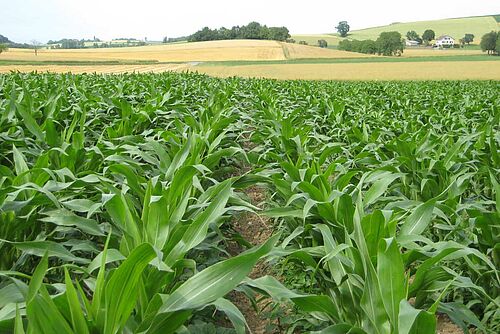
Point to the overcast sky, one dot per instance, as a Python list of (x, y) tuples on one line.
[(25, 20)]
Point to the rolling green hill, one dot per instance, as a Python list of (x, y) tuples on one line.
[(456, 27)]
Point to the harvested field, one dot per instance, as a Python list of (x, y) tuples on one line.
[(200, 51), (102, 69)]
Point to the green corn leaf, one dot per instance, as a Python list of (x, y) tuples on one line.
[(215, 281), (30, 123), (413, 321), (18, 323), (391, 276), (51, 248), (122, 289), (77, 316), (20, 163), (197, 230), (233, 313), (64, 217), (378, 189), (418, 221)]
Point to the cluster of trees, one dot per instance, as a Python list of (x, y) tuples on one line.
[(467, 39), (253, 30), (427, 36), (491, 43), (388, 43), (68, 43)]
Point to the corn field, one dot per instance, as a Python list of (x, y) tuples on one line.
[(118, 194)]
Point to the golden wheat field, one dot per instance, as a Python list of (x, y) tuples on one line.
[(432, 70), (200, 51)]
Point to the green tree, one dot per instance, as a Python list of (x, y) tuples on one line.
[(468, 38), (322, 43), (413, 36), (279, 33), (3, 47), (253, 30), (343, 28), (369, 47), (489, 42), (428, 36), (390, 43)]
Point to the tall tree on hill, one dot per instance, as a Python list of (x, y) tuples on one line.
[(343, 28), (428, 36), (489, 42), (390, 43)]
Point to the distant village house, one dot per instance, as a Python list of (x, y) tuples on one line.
[(445, 41)]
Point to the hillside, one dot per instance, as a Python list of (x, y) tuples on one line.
[(229, 50), (457, 28)]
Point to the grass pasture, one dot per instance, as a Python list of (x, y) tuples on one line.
[(296, 51), (456, 28), (312, 39)]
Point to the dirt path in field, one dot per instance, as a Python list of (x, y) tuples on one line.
[(256, 229)]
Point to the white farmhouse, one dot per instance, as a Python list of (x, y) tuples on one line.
[(445, 41)]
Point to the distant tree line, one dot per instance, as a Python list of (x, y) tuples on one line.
[(253, 30), (388, 43), (69, 43), (10, 44), (174, 39)]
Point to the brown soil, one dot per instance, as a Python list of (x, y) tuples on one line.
[(256, 229), (446, 326)]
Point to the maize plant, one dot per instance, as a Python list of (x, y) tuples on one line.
[(113, 190)]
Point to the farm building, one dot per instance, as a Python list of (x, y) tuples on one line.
[(412, 43), (445, 40)]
